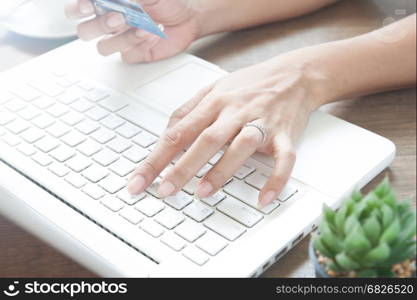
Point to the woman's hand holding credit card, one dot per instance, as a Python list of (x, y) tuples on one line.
[(141, 30)]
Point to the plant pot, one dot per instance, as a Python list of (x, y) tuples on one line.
[(319, 271), (318, 268)]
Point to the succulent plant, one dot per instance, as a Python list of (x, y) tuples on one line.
[(368, 234)]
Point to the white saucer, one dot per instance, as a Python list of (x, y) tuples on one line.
[(27, 20)]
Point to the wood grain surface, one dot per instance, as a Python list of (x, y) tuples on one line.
[(391, 114)]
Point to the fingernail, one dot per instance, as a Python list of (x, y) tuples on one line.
[(86, 8), (115, 21), (166, 189), (136, 185), (204, 189), (268, 198)]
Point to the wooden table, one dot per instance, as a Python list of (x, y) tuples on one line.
[(392, 115)]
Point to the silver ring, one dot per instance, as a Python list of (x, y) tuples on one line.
[(258, 125)]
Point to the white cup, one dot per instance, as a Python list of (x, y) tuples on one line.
[(54, 11)]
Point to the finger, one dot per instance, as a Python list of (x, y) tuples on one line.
[(189, 106), (284, 163), (156, 48), (243, 146), (172, 142), (142, 52), (108, 23), (205, 147), (79, 9), (122, 41)]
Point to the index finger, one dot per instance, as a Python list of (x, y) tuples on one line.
[(173, 141)]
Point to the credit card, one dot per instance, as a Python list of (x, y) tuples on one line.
[(134, 14)]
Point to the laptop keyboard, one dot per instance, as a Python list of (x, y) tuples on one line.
[(82, 132)]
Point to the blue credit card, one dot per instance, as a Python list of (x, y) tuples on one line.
[(133, 13)]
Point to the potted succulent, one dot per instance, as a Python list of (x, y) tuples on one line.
[(369, 236)]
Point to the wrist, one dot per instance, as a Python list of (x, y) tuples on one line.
[(322, 72), (206, 17)]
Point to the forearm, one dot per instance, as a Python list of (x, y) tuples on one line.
[(219, 15), (377, 61)]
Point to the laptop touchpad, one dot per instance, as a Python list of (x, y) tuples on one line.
[(174, 88)]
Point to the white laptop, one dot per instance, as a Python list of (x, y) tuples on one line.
[(73, 125)]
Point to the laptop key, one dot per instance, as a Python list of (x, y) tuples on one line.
[(151, 227), (122, 167), (87, 127), (112, 122), (211, 243), (26, 149), (42, 159), (15, 105), (89, 148), (44, 102), (191, 186), (32, 135), (239, 211), (195, 255), (112, 203), (75, 180), (78, 163), (93, 191), (47, 144), (58, 169), (173, 241), (105, 157), (97, 94), (25, 92), (58, 110), (82, 105), (135, 154), (150, 206), (43, 121), (112, 183), (244, 171), (169, 218), (129, 199), (95, 173), (214, 199), (97, 113), (178, 201), (73, 138), (29, 113), (6, 117), (17, 126), (62, 153), (153, 188), (131, 215), (58, 129), (248, 195), (103, 135), (203, 171), (190, 230), (128, 130), (224, 226), (144, 139), (119, 145), (113, 103), (198, 211), (72, 118), (11, 140), (289, 190), (257, 180), (216, 157), (48, 87)]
